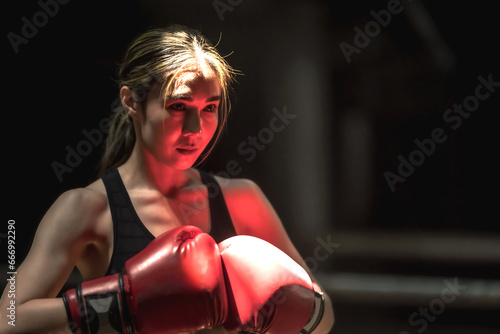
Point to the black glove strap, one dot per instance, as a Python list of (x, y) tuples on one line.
[(317, 313), (100, 313), (71, 322)]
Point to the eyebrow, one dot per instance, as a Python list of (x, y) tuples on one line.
[(189, 97)]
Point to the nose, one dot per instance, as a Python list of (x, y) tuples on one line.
[(192, 124)]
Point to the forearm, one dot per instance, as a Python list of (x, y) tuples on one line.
[(37, 316)]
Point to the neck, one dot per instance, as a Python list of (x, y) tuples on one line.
[(142, 170)]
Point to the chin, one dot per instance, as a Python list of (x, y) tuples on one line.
[(181, 164)]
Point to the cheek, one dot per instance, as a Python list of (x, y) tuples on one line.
[(209, 128), (160, 130), (169, 129)]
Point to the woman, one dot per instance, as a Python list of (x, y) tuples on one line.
[(174, 96)]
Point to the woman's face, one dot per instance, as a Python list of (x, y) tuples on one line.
[(176, 130)]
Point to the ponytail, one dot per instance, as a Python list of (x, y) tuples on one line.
[(119, 142)]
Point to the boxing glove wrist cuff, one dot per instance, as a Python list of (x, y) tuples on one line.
[(91, 310), (317, 312)]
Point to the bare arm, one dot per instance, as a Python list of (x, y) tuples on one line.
[(254, 215), (59, 241)]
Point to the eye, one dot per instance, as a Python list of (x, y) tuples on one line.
[(177, 106), (211, 108)]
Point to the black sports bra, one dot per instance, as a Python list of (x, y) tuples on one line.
[(130, 236)]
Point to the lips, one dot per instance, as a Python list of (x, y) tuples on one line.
[(186, 150)]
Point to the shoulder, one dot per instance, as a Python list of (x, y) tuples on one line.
[(87, 196), (253, 214), (250, 210), (77, 208), (238, 190), (89, 199), (69, 224)]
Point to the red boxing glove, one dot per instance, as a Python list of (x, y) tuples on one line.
[(268, 292), (174, 285)]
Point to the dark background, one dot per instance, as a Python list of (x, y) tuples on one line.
[(324, 173)]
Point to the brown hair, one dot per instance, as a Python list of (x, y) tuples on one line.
[(158, 56)]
